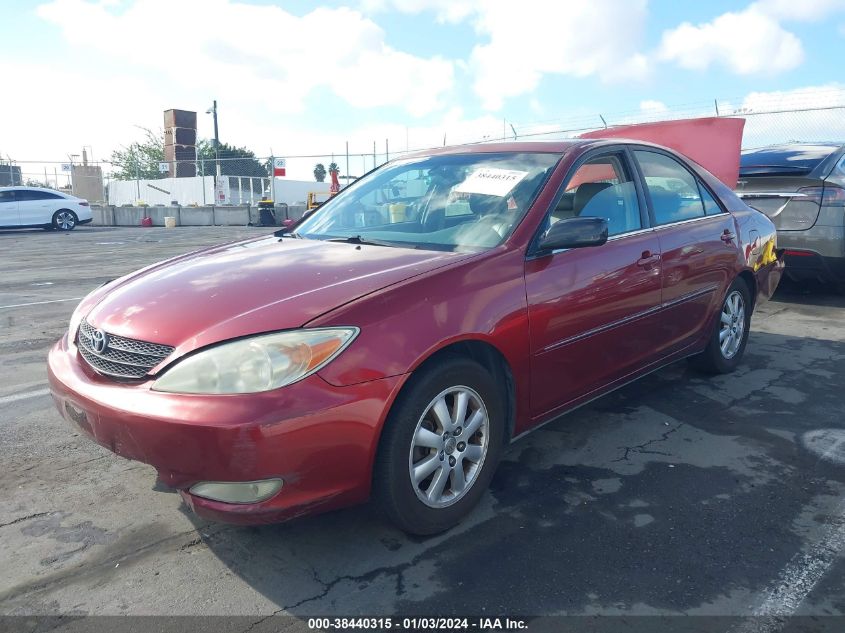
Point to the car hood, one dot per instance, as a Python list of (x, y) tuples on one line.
[(250, 287)]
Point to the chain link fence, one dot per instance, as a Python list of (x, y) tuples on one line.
[(245, 180)]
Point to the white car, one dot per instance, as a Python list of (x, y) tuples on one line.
[(31, 207)]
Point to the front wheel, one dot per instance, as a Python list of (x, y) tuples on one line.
[(730, 332), (64, 220), (440, 446)]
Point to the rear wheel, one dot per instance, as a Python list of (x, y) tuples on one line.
[(730, 333), (440, 446), (64, 220)]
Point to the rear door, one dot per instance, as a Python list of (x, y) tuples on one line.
[(37, 207), (698, 245), (8, 208), (591, 310)]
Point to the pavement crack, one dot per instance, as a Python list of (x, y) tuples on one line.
[(87, 461), (190, 544), (642, 449), (26, 518), (399, 570)]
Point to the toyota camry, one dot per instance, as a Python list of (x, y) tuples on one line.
[(394, 342)]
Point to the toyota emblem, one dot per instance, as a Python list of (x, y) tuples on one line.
[(99, 341)]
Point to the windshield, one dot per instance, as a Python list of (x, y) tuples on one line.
[(463, 202)]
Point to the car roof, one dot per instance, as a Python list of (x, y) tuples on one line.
[(548, 146), (793, 146), (27, 188)]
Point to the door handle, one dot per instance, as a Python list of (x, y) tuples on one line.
[(647, 259), (728, 237)]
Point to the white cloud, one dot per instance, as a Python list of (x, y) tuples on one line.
[(245, 50), (800, 10), (746, 42), (530, 39), (653, 107), (450, 11), (794, 115), (826, 96), (523, 41)]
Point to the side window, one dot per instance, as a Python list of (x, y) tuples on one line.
[(26, 195), (673, 190), (711, 207), (601, 188), (7, 196)]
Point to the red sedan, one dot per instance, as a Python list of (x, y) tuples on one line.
[(416, 323)]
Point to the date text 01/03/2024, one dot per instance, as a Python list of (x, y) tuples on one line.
[(418, 624)]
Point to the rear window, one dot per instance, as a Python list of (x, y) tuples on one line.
[(791, 160)]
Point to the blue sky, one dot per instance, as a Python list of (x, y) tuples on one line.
[(301, 77)]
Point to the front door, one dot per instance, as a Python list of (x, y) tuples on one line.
[(8, 208), (591, 310)]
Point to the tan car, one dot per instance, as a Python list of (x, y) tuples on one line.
[(801, 187)]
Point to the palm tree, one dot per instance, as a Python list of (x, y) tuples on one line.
[(320, 172)]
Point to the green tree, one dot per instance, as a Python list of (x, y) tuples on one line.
[(140, 159), (320, 172), (234, 161), (333, 167)]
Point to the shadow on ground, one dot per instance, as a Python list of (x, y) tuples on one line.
[(680, 493)]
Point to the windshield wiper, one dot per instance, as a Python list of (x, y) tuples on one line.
[(283, 232), (357, 239)]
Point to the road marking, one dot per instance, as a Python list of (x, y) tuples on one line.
[(40, 303), (23, 396), (798, 579), (828, 444)]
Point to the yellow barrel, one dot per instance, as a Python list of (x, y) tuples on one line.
[(397, 212)]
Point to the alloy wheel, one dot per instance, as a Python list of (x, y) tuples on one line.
[(65, 220), (732, 324), (449, 446)]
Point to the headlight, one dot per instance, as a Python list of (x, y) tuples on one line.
[(73, 326), (260, 363)]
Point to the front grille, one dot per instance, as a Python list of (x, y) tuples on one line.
[(122, 357)]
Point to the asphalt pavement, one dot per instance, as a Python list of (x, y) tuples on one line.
[(678, 494)]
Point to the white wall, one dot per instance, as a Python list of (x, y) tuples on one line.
[(190, 191), (296, 191), (184, 190)]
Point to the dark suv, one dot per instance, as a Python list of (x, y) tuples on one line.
[(801, 187)]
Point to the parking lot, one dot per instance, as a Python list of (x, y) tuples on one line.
[(679, 494)]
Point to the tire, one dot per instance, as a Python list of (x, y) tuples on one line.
[(64, 220), (416, 440), (724, 351)]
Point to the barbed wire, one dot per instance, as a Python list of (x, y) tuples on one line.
[(771, 118)]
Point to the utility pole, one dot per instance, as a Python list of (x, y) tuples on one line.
[(213, 112)]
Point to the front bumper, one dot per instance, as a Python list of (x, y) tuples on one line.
[(319, 438)]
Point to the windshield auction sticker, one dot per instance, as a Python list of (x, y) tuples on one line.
[(491, 181)]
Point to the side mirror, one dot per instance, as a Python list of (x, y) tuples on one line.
[(575, 233)]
